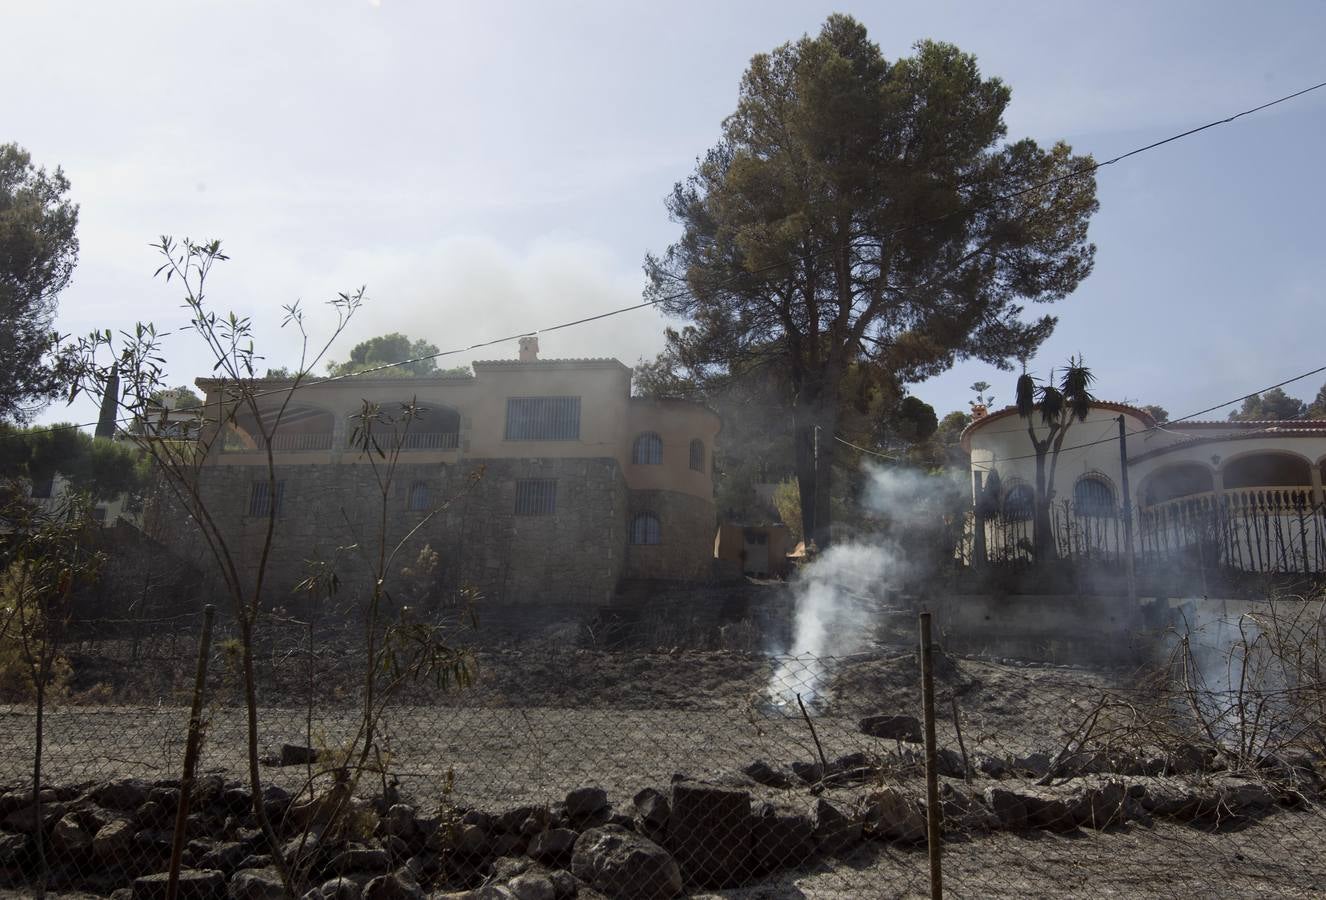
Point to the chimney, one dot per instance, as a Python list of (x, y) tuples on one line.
[(109, 403), (529, 349)]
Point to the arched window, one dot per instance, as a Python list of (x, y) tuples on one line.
[(697, 455), (648, 450), (419, 496), (1094, 497), (1019, 503), (645, 529)]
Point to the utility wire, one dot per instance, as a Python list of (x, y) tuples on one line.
[(1200, 412), (1076, 173)]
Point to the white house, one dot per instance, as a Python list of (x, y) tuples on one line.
[(1246, 494)]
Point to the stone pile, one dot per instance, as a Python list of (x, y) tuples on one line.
[(113, 838)]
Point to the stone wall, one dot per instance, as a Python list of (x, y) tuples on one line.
[(687, 527), (574, 555)]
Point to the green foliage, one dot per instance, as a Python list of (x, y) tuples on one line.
[(1317, 408), (1159, 413), (38, 252), (862, 212), (45, 558), (787, 499), (393, 348), (1275, 404), (951, 427), (101, 468)]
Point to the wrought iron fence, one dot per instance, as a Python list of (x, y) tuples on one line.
[(1269, 532)]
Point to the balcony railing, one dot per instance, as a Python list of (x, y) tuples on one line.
[(281, 443), (410, 440)]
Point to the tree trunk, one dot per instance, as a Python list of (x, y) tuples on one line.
[(814, 468), (1042, 529)]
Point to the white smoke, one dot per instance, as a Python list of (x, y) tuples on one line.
[(841, 595)]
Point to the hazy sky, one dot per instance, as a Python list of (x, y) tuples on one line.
[(487, 168)]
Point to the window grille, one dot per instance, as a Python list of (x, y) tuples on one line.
[(1018, 504), (419, 496), (645, 529), (647, 450), (1093, 497), (543, 419), (697, 455), (536, 496), (263, 501)]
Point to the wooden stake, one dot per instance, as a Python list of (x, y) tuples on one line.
[(190, 754), (932, 811)]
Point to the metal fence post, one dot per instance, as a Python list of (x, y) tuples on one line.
[(932, 811), (190, 754)]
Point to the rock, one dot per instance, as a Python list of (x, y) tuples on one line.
[(781, 841), (194, 884), (652, 808), (25, 820), (508, 844), (949, 763), (898, 728), (166, 797), (1244, 797), (810, 773), (12, 801), (152, 814), (564, 884), (1171, 800), (709, 833), (963, 811), (892, 815), (835, 830), (112, 841), (256, 884), (471, 840), (761, 772), (340, 889), (553, 846), (507, 867), (586, 801), (13, 849), (1102, 806), (225, 857), (297, 755), (477, 817), (510, 822), (1008, 808), (623, 865), (392, 887), (400, 821), (1048, 810), (68, 837), (368, 860), (237, 801), (532, 887), (123, 794), (1034, 765), (1187, 759)]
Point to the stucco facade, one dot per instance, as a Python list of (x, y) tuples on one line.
[(579, 484), (1270, 469)]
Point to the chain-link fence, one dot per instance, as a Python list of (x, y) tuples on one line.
[(564, 767)]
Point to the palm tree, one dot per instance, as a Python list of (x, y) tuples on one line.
[(1059, 407)]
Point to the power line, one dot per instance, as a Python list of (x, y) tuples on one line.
[(1194, 415), (1076, 173)]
